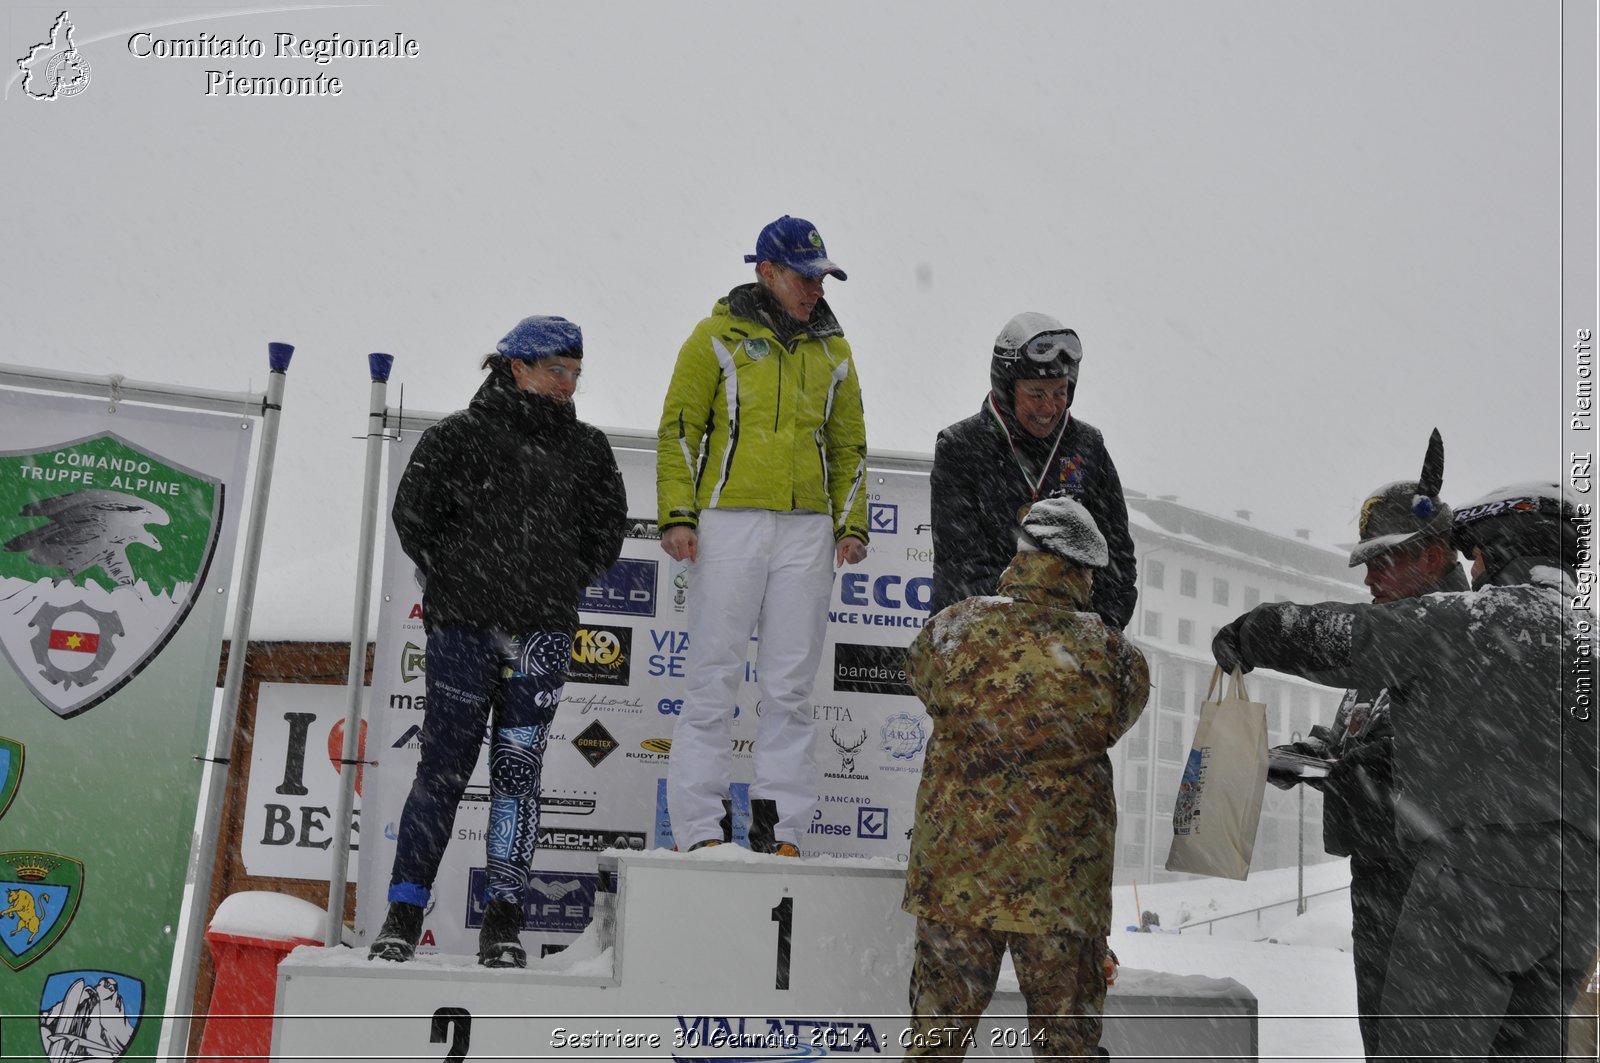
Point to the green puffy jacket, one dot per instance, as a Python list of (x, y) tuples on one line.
[(759, 420)]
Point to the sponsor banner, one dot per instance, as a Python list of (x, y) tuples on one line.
[(628, 587), (643, 528), (118, 534), (559, 902), (590, 841), (294, 782), (610, 745), (595, 743), (602, 655), (870, 669)]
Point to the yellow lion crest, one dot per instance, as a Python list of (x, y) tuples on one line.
[(22, 906)]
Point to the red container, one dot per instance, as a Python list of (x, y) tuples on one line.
[(239, 1018)]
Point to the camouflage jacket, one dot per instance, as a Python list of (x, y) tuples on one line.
[(1016, 816)]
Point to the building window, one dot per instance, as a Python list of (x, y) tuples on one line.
[(1252, 597), (1187, 583), (1171, 697), (1134, 801), (1186, 632), (1169, 739), (1152, 624), (1155, 574), (1219, 591), (1133, 856)]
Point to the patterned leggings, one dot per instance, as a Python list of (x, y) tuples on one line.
[(475, 675)]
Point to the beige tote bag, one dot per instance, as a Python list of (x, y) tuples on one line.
[(1219, 799)]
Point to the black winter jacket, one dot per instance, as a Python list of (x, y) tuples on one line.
[(1358, 798), (979, 492), (510, 508), (1494, 739)]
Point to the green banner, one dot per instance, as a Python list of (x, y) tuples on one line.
[(117, 538)]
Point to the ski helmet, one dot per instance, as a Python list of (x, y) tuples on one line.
[(1061, 526), (1406, 511), (1034, 346), (1520, 520)]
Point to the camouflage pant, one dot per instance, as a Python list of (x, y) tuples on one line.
[(953, 975)]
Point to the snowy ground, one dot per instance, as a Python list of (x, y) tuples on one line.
[(1301, 975)]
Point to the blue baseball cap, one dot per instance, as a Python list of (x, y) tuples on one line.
[(793, 242), (542, 337)]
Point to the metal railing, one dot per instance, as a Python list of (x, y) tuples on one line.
[(1292, 902)]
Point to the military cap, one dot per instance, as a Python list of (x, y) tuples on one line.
[(1406, 511)]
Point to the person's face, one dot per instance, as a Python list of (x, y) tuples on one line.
[(795, 292), (1404, 572), (1040, 405), (1479, 565), (555, 377)]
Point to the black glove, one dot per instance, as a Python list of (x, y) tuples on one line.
[(1226, 649), (1288, 780), (1370, 760)]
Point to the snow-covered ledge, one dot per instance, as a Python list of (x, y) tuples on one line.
[(687, 957)]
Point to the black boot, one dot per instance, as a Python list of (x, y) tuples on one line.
[(726, 822), (397, 938), (498, 941), (763, 824)]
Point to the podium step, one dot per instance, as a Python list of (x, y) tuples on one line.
[(720, 954)]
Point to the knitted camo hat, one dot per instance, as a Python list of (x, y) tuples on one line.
[(1061, 526)]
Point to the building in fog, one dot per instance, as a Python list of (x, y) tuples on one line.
[(1197, 571)]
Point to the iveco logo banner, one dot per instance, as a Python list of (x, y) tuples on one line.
[(870, 669), (888, 600), (628, 587)]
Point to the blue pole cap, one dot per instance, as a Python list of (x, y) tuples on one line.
[(380, 365), (278, 355)]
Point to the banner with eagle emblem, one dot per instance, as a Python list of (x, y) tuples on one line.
[(103, 546), (119, 524)]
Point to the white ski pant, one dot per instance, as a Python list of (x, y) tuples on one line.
[(769, 573)]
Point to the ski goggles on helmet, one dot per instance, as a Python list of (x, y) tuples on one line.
[(1046, 348)]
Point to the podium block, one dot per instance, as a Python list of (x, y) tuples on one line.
[(720, 954)]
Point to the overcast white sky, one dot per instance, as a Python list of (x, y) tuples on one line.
[(1294, 237)]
